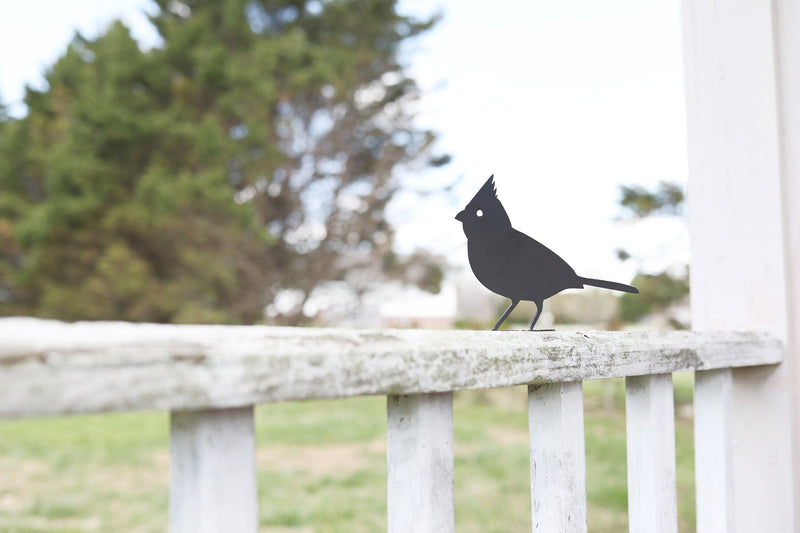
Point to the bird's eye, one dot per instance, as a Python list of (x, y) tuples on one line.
[(479, 213)]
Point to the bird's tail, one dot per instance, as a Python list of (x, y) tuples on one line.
[(613, 285)]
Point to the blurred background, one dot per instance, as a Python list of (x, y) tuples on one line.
[(300, 162)]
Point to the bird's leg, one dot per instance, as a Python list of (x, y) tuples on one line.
[(539, 305), (505, 315)]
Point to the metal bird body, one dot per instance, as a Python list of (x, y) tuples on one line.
[(512, 264)]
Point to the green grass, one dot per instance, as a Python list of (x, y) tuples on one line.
[(321, 466)]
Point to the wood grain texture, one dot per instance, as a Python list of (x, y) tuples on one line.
[(714, 450), (213, 471), (558, 457), (50, 368), (650, 429), (420, 467)]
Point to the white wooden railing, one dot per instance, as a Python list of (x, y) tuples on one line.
[(210, 377)]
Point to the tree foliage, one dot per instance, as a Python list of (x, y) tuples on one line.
[(657, 291), (253, 154), (666, 198)]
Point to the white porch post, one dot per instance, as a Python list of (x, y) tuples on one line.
[(743, 206), (787, 22)]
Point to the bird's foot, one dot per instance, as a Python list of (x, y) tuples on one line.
[(533, 330)]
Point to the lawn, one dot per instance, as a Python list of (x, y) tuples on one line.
[(321, 466)]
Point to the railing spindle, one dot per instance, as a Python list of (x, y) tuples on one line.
[(558, 459), (713, 417), (650, 415), (419, 451), (213, 471)]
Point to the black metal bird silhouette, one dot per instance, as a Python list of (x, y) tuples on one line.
[(510, 263)]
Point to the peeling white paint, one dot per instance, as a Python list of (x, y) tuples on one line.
[(50, 367)]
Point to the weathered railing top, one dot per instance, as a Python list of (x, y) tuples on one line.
[(49, 367)]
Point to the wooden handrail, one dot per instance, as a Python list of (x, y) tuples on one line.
[(51, 368), (210, 377)]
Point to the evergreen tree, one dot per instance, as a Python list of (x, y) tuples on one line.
[(253, 154)]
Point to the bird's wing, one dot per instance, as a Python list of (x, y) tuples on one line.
[(537, 252), (550, 271)]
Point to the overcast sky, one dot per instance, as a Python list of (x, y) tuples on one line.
[(561, 101)]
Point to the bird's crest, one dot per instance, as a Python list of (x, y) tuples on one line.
[(487, 193), (489, 188), (487, 201)]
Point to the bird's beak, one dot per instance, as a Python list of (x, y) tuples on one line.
[(460, 216)]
